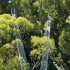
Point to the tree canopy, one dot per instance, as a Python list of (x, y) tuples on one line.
[(31, 19)]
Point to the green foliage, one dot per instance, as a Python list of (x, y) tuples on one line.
[(8, 53), (25, 25), (64, 40), (33, 15), (37, 27), (41, 44), (36, 4), (64, 43), (12, 64), (58, 62), (6, 28), (68, 20), (8, 41), (4, 7)]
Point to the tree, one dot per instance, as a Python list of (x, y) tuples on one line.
[(8, 32), (33, 15), (40, 45), (64, 43)]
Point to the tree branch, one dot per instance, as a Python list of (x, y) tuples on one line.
[(36, 65)]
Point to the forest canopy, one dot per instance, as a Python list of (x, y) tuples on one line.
[(29, 25)]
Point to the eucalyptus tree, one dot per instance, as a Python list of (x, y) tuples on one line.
[(8, 31), (39, 47), (64, 44)]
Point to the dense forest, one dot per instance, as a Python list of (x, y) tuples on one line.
[(31, 18)]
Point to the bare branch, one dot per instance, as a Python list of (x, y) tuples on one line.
[(36, 65)]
